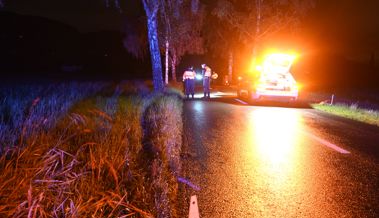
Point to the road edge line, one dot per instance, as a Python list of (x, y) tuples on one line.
[(240, 101), (327, 143)]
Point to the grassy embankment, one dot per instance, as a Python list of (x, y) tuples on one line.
[(80, 150), (350, 111)]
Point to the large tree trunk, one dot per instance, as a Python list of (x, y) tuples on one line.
[(167, 47), (195, 6), (173, 66), (151, 9), (230, 68)]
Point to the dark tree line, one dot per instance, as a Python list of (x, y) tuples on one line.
[(173, 26), (179, 27), (249, 23)]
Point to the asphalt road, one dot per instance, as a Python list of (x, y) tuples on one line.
[(264, 161)]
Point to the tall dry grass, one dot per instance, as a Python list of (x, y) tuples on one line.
[(110, 156), (163, 127)]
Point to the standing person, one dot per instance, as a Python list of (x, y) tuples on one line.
[(207, 73), (189, 82), (192, 82)]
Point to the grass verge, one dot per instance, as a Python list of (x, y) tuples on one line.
[(112, 154), (350, 111)]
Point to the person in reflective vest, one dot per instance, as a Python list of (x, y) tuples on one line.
[(189, 82), (207, 73)]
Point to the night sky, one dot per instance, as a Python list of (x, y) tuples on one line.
[(85, 15), (349, 26)]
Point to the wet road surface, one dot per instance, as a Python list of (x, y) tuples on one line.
[(257, 161)]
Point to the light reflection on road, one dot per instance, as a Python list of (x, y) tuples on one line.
[(198, 109), (198, 106), (276, 153), (253, 161), (274, 134)]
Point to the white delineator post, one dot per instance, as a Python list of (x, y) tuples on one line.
[(194, 208), (332, 100)]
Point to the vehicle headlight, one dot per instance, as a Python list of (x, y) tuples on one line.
[(295, 87)]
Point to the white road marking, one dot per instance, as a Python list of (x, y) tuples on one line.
[(194, 208), (327, 143), (240, 101)]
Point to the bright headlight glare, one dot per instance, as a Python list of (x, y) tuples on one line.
[(295, 86)]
